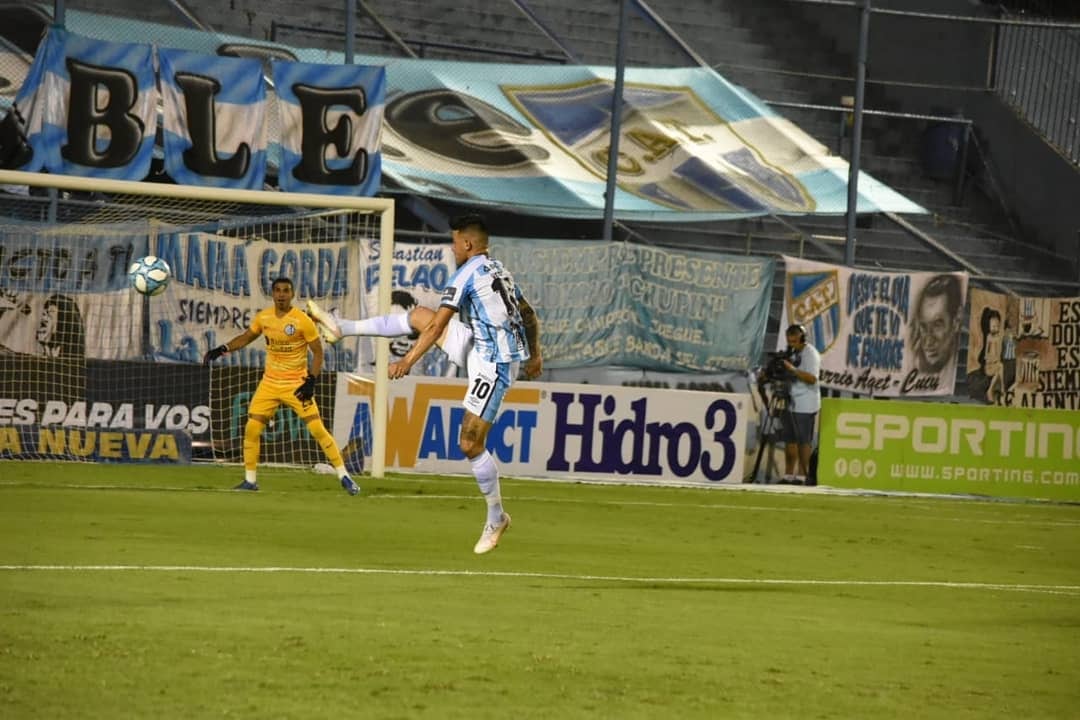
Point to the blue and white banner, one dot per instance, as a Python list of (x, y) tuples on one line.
[(91, 107), (645, 307), (214, 119), (692, 147), (330, 121), (879, 333)]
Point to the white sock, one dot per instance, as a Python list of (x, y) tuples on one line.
[(341, 472), (249, 476), (487, 477), (393, 325)]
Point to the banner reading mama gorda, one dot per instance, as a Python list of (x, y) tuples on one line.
[(879, 333), (219, 283)]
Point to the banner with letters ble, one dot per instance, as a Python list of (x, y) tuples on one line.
[(91, 109), (879, 333), (1024, 351), (548, 430)]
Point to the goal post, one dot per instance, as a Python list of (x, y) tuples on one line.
[(75, 237)]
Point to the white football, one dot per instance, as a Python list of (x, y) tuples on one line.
[(149, 275)]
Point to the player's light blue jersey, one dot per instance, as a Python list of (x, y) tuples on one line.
[(485, 295)]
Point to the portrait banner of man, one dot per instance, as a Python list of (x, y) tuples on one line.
[(880, 334)]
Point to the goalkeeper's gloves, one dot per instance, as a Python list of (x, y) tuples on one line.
[(306, 391), (214, 354)]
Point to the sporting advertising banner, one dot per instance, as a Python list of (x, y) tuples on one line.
[(558, 430), (879, 333), (1024, 351), (947, 448)]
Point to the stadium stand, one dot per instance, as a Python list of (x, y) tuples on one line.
[(793, 55)]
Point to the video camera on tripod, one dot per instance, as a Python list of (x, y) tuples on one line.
[(776, 375)]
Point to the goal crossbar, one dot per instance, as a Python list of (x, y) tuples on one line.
[(383, 207)]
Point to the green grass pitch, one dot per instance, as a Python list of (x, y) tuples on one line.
[(153, 592)]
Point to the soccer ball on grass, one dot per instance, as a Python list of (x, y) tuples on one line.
[(149, 275)]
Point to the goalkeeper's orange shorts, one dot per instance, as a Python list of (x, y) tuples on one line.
[(272, 393)]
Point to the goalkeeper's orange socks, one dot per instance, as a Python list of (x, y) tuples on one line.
[(326, 442)]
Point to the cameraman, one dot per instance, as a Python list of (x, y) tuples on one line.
[(797, 426)]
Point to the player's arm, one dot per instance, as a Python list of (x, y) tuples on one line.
[(241, 340), (531, 321), (306, 391), (431, 332)]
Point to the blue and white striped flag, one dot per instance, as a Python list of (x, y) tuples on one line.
[(214, 119), (90, 107), (331, 118)]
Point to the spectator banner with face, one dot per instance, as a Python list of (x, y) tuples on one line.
[(1024, 351), (879, 333)]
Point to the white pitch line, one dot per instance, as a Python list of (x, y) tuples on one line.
[(1072, 590)]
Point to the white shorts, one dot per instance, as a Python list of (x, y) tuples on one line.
[(488, 383), (457, 342)]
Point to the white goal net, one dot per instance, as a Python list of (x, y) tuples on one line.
[(91, 369)]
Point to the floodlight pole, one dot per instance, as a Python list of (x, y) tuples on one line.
[(616, 123), (856, 130)]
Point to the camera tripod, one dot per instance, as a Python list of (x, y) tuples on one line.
[(777, 407)]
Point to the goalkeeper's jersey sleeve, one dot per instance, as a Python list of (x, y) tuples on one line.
[(287, 339)]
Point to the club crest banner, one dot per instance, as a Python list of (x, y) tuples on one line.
[(692, 146), (879, 333), (1024, 351)]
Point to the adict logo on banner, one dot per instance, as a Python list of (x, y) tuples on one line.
[(557, 430)]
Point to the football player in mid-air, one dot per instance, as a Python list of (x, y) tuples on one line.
[(503, 333), (289, 334)]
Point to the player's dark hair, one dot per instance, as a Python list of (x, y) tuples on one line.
[(469, 220), (282, 280)]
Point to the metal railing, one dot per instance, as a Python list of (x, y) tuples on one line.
[(1037, 72)]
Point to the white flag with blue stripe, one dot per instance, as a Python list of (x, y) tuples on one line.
[(214, 119), (91, 107), (331, 118)]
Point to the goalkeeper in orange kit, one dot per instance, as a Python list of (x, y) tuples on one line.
[(289, 334)]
